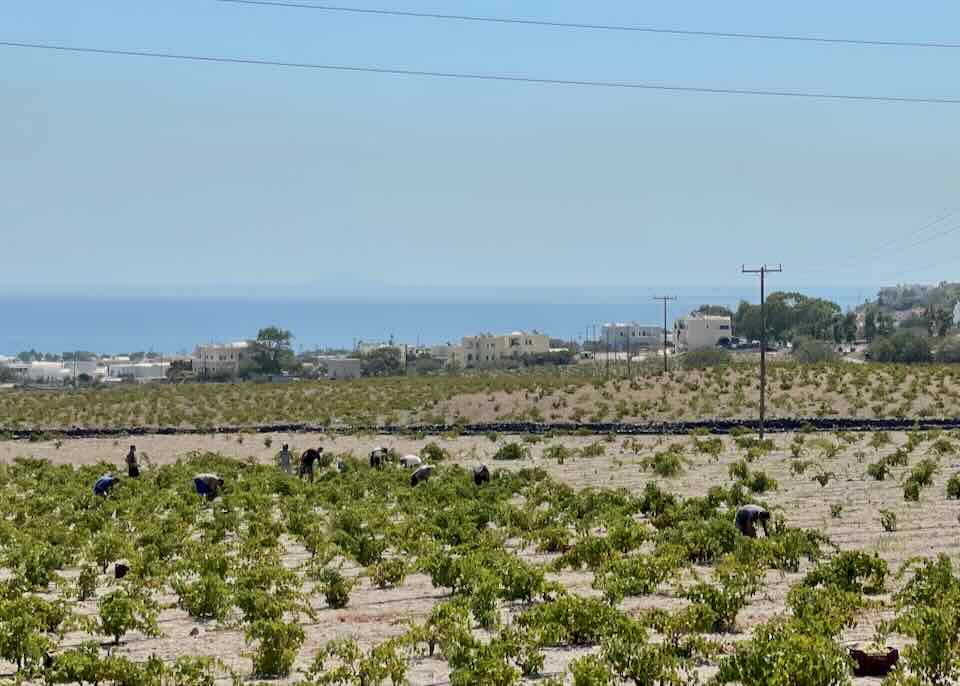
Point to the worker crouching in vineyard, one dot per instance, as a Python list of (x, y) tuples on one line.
[(748, 516), (307, 461), (104, 485), (208, 485)]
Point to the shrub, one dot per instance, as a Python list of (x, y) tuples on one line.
[(811, 350), (953, 486), (929, 613), (878, 470), (122, 611), (705, 358), (783, 653), (557, 452), (734, 585), (87, 582), (923, 472), (851, 571), (948, 351), (824, 610), (634, 576), (278, 643), (512, 451), (591, 670), (433, 453), (666, 463), (595, 449), (903, 347), (335, 587), (205, 597), (888, 520), (389, 572), (570, 620), (349, 666)]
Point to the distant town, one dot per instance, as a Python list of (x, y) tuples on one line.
[(811, 328), (230, 360)]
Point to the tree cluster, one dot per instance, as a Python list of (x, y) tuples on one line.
[(789, 315)]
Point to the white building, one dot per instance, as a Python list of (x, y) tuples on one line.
[(956, 314), (630, 335), (489, 348), (138, 371), (340, 367), (701, 331), (40, 372), (218, 359)]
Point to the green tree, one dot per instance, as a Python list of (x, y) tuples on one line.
[(870, 324), (937, 320), (382, 362), (272, 351), (903, 347), (714, 310), (849, 327)]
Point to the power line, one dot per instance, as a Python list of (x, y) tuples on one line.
[(595, 27), (881, 250), (395, 71)]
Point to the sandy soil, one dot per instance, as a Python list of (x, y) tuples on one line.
[(925, 528)]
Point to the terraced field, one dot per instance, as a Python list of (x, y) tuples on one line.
[(576, 394)]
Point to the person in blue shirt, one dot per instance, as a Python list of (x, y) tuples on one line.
[(104, 484), (208, 485)]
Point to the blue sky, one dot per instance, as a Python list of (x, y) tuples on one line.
[(132, 174)]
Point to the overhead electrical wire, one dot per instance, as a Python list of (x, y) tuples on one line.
[(897, 241), (595, 27), (396, 71)]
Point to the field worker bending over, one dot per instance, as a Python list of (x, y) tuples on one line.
[(133, 469), (307, 460), (748, 516), (481, 475), (378, 456), (104, 484), (208, 485), (422, 474), (285, 457)]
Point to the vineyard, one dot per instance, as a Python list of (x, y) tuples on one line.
[(586, 560), (576, 394)]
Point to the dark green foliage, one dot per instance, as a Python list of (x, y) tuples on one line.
[(903, 347), (512, 451), (851, 571)]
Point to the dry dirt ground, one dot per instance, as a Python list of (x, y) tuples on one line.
[(925, 528)]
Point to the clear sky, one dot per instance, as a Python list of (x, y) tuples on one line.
[(128, 173)]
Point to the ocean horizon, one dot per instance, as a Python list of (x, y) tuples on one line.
[(112, 325)]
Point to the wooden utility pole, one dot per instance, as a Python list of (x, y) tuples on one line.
[(763, 271), (665, 299), (629, 334), (606, 338)]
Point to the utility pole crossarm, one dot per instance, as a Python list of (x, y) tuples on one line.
[(665, 299)]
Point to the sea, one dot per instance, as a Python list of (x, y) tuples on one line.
[(117, 325)]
